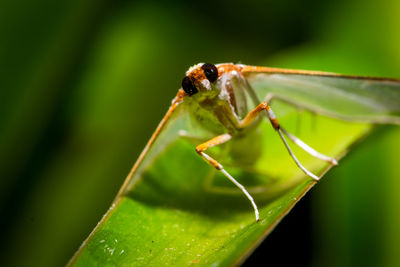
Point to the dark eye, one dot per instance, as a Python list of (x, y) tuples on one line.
[(188, 86), (210, 71)]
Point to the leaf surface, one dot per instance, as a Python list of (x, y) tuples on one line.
[(178, 211)]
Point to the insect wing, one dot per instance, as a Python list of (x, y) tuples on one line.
[(177, 124), (351, 98), (166, 133)]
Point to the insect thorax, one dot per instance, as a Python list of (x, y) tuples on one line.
[(214, 116)]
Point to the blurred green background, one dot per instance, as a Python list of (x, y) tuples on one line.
[(84, 83)]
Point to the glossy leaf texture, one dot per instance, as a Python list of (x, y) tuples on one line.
[(178, 211)]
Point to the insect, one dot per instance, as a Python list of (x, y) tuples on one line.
[(232, 100)]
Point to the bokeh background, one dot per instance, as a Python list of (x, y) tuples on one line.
[(84, 83)]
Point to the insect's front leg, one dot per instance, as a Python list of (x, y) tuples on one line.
[(264, 107), (218, 140), (299, 142), (309, 149)]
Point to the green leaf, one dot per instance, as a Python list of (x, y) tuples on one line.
[(179, 211)]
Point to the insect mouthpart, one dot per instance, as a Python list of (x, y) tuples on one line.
[(188, 86)]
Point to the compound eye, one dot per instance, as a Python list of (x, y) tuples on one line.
[(188, 86), (211, 72)]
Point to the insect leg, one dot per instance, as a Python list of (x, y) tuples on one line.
[(309, 149), (252, 115), (296, 140), (220, 139)]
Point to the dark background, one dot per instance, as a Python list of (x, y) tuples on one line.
[(84, 83)]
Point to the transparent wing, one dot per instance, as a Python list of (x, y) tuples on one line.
[(176, 120), (364, 99)]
